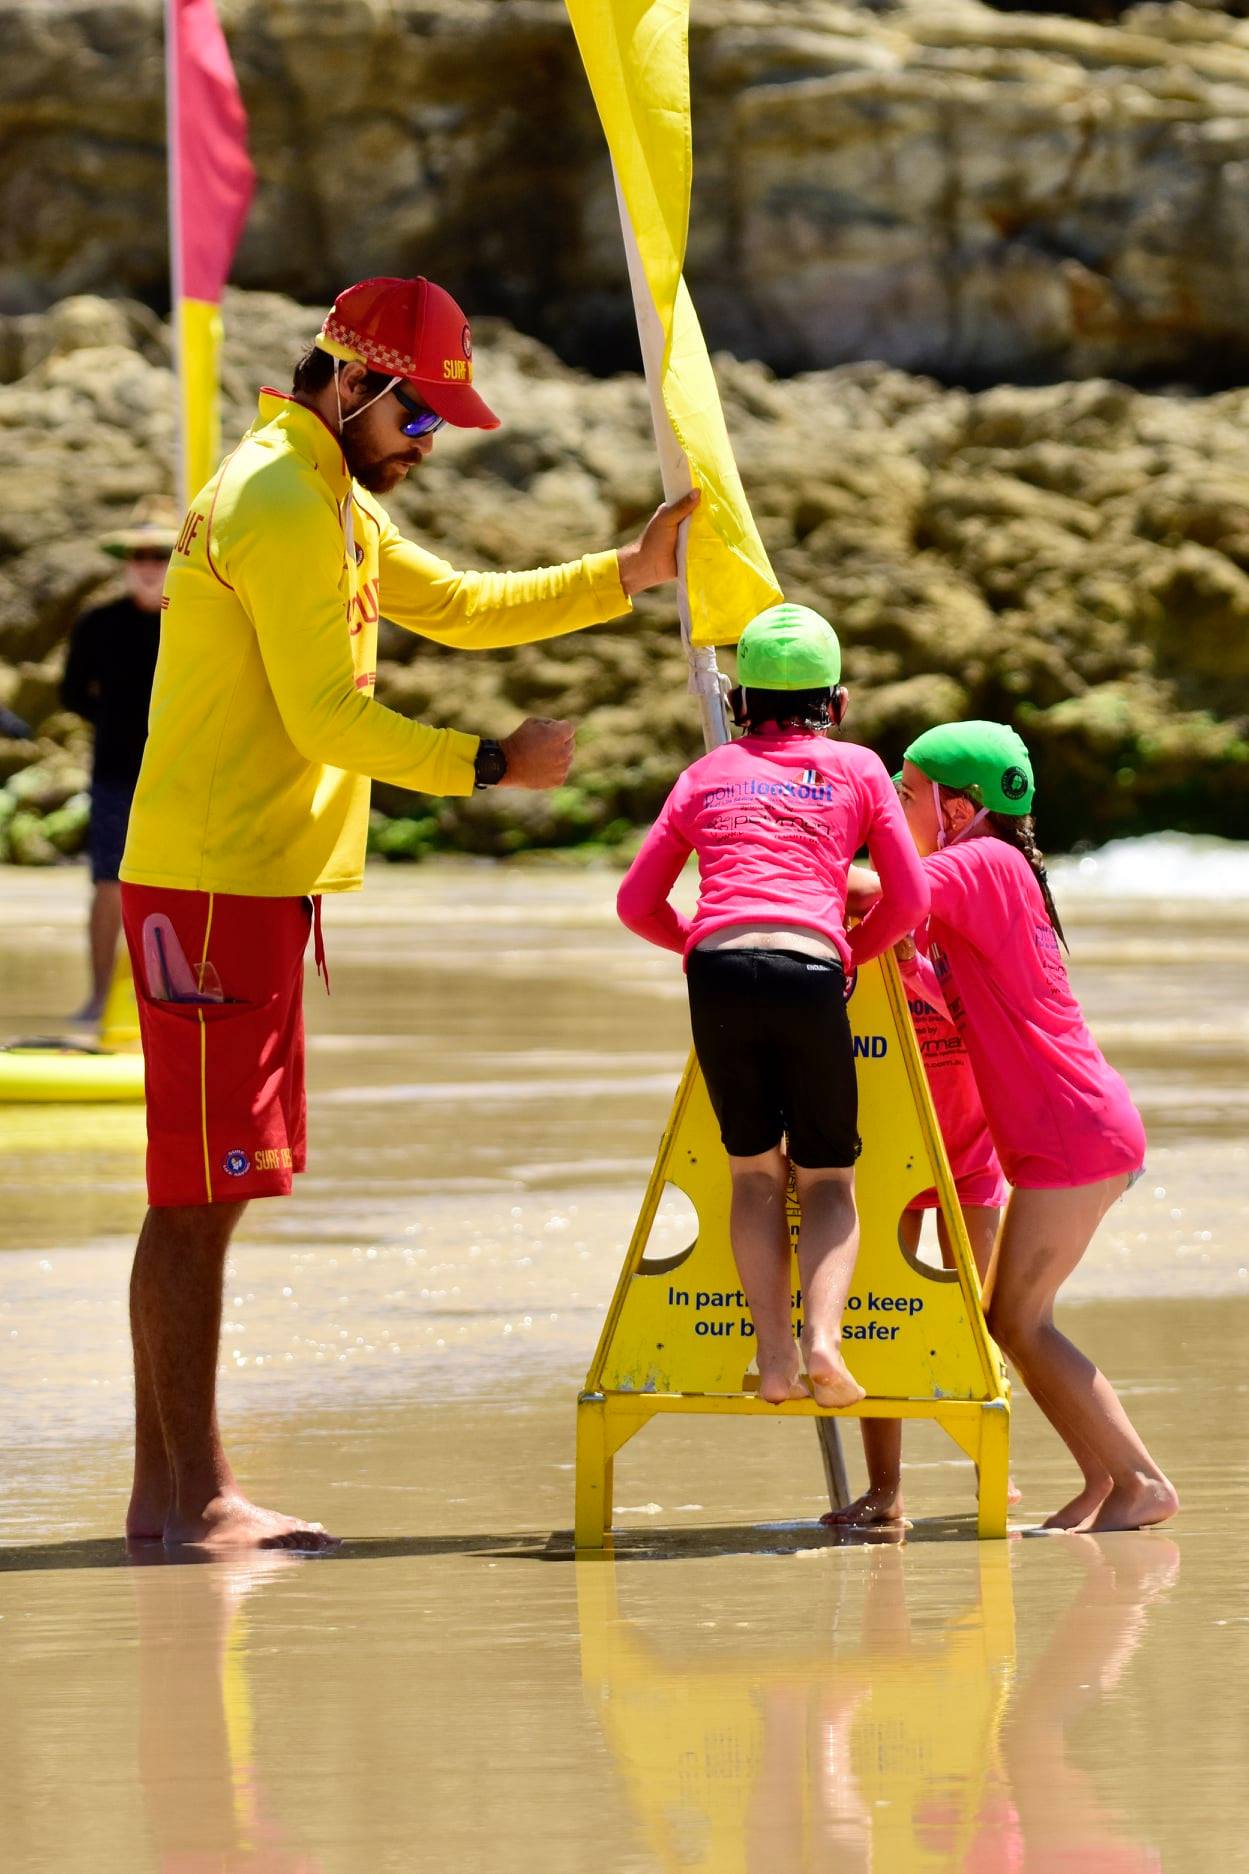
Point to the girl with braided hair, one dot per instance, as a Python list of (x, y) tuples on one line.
[(1062, 1120)]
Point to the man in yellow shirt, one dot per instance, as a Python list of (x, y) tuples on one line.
[(253, 800)]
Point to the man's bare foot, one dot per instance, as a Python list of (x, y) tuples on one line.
[(880, 1503), (1136, 1505), (830, 1379), (151, 1499), (148, 1511), (1082, 1507), (231, 1522)]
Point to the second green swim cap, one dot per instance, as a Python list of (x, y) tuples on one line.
[(788, 647), (985, 759)]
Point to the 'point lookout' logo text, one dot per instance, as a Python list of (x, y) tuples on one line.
[(770, 790)]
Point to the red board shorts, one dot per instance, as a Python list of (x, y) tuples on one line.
[(985, 1189), (225, 1080)]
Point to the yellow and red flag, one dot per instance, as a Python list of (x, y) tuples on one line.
[(210, 190), (636, 56)]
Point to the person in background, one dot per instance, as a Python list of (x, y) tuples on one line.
[(108, 681), (776, 819)]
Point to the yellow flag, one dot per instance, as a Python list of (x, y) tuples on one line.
[(636, 57)]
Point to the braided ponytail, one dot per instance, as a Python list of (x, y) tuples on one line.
[(1019, 832)]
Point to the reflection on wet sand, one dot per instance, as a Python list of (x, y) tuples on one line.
[(885, 1746), (206, 1806), (1061, 1820)]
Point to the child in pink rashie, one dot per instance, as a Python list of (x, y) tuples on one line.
[(1069, 1138), (775, 820), (1059, 1113)]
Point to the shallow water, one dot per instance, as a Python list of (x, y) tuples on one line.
[(404, 1344)]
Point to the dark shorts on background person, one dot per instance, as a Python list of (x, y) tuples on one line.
[(106, 831), (225, 1080), (772, 1036)]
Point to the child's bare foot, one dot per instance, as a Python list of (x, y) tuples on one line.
[(1013, 1493), (780, 1385), (1083, 1507), (830, 1379), (880, 1503), (780, 1369), (1136, 1505)]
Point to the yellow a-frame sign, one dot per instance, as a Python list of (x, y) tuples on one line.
[(677, 1337)]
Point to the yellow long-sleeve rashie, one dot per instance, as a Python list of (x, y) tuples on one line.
[(264, 734)]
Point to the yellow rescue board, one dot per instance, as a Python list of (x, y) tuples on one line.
[(678, 1334), (60, 1076), (57, 1074)]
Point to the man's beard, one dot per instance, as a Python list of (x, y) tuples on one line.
[(376, 473)]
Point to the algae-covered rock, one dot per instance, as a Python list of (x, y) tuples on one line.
[(66, 826), (28, 843), (37, 691), (8, 808), (1070, 557), (49, 783), (15, 755)]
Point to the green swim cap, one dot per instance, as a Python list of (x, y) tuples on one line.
[(984, 759), (788, 647)]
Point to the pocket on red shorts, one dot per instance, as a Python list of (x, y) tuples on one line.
[(225, 1098)]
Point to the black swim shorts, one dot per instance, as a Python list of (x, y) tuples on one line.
[(772, 1037)]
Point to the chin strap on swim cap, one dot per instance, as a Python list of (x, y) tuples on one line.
[(943, 838)]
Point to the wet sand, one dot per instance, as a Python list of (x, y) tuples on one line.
[(404, 1344)]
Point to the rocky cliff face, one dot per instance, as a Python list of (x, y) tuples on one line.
[(1074, 558), (933, 184)]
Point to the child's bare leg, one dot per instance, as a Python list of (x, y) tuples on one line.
[(828, 1243), (1043, 1238), (881, 1502), (1097, 1481), (759, 1229)]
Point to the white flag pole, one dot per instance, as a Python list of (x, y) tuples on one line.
[(705, 679)]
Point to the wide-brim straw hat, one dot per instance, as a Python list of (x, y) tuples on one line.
[(154, 522)]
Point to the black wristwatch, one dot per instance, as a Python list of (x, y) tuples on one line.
[(489, 764)]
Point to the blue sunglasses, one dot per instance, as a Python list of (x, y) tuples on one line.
[(422, 421)]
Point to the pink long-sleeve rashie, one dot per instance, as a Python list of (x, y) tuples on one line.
[(1059, 1113), (775, 820), (956, 1099)]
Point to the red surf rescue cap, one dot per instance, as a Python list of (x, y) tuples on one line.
[(414, 330)]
